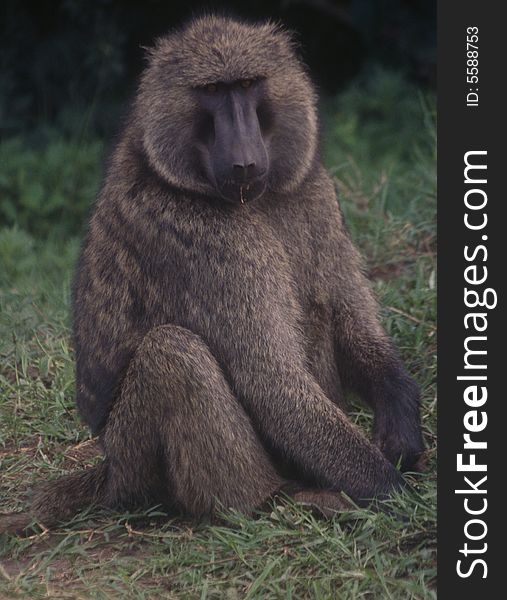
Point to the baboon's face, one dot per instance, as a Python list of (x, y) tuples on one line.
[(226, 109), (232, 134)]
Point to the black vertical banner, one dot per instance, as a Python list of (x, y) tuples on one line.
[(472, 361)]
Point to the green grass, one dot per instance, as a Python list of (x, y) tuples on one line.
[(380, 146)]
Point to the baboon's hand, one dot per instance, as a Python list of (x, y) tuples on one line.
[(397, 426), (403, 446)]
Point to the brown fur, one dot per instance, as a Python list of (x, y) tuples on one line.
[(213, 340)]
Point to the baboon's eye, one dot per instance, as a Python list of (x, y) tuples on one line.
[(212, 87), (246, 83)]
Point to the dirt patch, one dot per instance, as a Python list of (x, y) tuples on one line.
[(83, 452)]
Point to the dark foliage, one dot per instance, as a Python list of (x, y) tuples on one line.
[(64, 56)]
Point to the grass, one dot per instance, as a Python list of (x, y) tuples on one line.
[(380, 146)]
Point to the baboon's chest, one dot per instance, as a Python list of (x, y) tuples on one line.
[(245, 286)]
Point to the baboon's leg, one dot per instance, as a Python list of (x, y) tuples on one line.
[(177, 413), (370, 365)]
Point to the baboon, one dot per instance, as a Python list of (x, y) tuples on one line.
[(220, 308)]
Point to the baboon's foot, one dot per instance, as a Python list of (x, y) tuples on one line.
[(16, 523), (326, 503)]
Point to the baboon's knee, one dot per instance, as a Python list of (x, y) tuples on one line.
[(173, 351), (174, 339)]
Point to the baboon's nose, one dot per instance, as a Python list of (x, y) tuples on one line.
[(243, 172)]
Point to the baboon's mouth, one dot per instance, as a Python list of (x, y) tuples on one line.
[(242, 192)]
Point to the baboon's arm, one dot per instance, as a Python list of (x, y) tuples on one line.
[(100, 366), (365, 351), (101, 361), (297, 419), (369, 364), (108, 324)]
